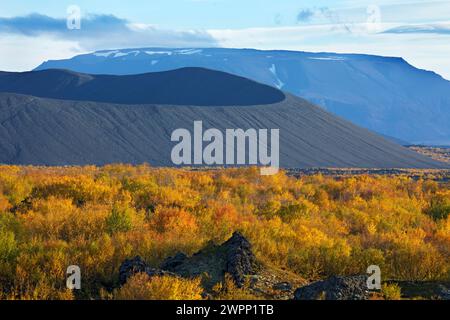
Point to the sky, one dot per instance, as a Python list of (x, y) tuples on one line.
[(417, 30)]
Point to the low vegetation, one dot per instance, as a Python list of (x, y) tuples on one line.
[(313, 226), (142, 287), (437, 153)]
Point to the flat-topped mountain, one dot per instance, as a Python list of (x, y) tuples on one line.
[(384, 94)]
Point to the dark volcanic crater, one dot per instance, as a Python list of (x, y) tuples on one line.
[(186, 86), (63, 118)]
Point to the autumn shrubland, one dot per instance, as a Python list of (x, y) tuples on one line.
[(313, 226)]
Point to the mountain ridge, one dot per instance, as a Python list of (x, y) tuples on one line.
[(384, 94)]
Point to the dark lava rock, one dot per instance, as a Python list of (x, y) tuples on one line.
[(444, 293), (424, 289), (240, 259), (136, 265), (282, 286), (233, 257), (335, 288), (172, 262)]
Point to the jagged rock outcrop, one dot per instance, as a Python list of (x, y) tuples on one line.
[(173, 262), (234, 257), (335, 288), (136, 265), (240, 259)]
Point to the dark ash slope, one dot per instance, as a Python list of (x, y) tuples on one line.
[(44, 131)]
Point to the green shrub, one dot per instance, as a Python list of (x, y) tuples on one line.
[(8, 246), (439, 208), (391, 292), (120, 220)]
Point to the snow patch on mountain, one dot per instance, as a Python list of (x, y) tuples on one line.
[(327, 58), (151, 53), (189, 51), (278, 83), (105, 54)]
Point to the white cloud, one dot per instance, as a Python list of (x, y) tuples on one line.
[(23, 53), (102, 32), (438, 28)]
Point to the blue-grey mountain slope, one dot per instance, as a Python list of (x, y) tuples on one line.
[(385, 95)]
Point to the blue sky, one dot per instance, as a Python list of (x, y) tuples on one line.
[(212, 14), (417, 30), (176, 13)]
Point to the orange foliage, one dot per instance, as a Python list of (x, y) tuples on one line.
[(314, 226)]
